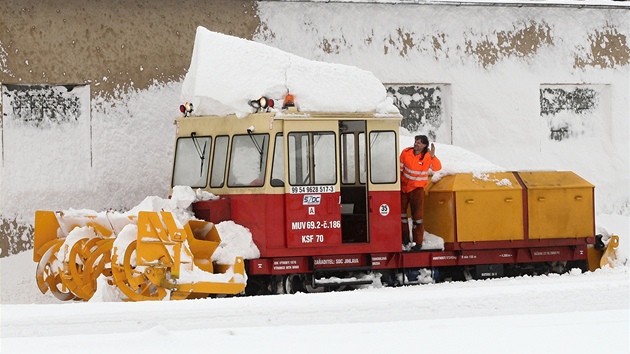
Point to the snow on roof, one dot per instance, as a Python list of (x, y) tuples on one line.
[(227, 72)]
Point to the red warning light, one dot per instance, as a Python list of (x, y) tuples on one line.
[(186, 108), (288, 101)]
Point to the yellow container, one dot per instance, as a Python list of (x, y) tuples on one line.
[(559, 205), (464, 208)]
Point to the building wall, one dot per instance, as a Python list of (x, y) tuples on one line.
[(110, 44), (512, 75), (485, 63)]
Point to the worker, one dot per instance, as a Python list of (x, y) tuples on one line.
[(415, 163)]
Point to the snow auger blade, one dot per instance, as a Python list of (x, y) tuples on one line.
[(73, 250), (48, 272), (599, 258), (147, 257), (610, 253)]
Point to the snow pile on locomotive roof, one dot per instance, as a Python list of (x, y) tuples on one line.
[(227, 72)]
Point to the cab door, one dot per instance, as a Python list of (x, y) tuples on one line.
[(313, 211), (353, 176), (383, 184)]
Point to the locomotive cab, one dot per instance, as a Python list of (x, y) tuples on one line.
[(316, 190)]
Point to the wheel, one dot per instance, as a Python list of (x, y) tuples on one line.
[(581, 265), (292, 283), (258, 285)]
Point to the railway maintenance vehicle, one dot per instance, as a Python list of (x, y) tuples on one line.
[(320, 194)]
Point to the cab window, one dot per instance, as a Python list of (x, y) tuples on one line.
[(277, 169), (312, 158), (383, 157), (191, 161), (219, 161), (248, 160)]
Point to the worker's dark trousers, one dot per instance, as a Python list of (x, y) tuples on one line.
[(415, 200)]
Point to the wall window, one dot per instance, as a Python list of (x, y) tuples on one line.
[(45, 105), (572, 111), (31, 115), (425, 109)]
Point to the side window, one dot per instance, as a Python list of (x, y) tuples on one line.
[(383, 157), (299, 167), (217, 178), (248, 160), (348, 159), (277, 169), (312, 158), (362, 156), (349, 144), (191, 162)]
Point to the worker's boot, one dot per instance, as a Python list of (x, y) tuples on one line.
[(418, 235)]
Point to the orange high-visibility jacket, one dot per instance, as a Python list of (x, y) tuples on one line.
[(414, 170)]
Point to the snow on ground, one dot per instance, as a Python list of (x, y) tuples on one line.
[(569, 313), (548, 314)]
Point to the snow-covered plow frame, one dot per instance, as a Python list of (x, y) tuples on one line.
[(146, 257)]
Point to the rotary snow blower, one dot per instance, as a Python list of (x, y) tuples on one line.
[(147, 257)]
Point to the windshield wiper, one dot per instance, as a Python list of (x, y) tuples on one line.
[(200, 151), (258, 147)]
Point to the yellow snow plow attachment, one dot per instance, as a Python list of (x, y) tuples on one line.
[(147, 257), (599, 257)]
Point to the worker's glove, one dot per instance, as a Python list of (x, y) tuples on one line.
[(432, 151)]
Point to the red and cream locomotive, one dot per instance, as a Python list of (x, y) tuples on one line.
[(320, 193)]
